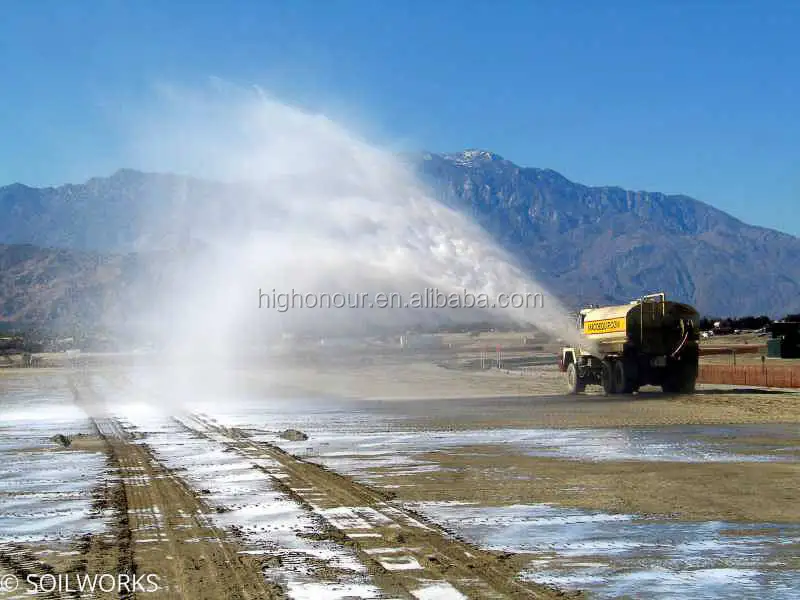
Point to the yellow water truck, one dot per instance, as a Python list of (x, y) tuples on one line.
[(650, 341)]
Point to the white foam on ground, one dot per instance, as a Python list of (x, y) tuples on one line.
[(400, 563), (609, 554), (329, 591), (45, 492), (352, 452), (613, 555), (345, 518), (437, 590), (269, 522)]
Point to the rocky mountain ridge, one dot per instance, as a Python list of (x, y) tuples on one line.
[(586, 244)]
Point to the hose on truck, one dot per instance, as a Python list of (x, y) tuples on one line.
[(685, 339)]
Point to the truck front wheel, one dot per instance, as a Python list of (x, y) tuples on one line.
[(575, 384)]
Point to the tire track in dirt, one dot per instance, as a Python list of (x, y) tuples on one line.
[(22, 563), (169, 533), (406, 554)]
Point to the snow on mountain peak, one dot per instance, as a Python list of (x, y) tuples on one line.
[(473, 157)]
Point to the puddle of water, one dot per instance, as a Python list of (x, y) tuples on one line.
[(614, 555)]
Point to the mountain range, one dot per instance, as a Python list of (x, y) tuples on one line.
[(67, 251), (608, 244)]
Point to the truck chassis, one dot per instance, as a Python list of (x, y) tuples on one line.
[(625, 373)]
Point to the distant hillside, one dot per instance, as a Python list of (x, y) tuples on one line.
[(64, 288), (608, 244), (40, 285), (600, 244)]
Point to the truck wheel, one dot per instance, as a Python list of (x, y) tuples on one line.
[(669, 381), (620, 378), (625, 377), (680, 379), (687, 386), (687, 379), (607, 378), (574, 382)]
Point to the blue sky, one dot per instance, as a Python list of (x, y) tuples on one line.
[(685, 96)]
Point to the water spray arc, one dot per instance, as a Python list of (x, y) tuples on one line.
[(311, 207)]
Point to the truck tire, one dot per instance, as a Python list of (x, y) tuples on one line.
[(575, 384), (669, 382), (607, 378), (687, 379), (623, 383), (680, 379)]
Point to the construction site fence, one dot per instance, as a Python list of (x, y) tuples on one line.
[(757, 375)]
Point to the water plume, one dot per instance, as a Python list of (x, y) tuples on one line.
[(303, 205)]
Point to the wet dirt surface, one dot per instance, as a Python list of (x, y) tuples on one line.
[(358, 543), (621, 555), (649, 497), (705, 485), (691, 492), (685, 513)]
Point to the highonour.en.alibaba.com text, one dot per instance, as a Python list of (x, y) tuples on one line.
[(429, 298)]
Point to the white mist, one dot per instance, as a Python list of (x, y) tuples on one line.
[(313, 209)]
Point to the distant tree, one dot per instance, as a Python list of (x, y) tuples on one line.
[(748, 322), (707, 323), (751, 322)]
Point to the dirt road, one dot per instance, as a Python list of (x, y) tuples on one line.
[(162, 527), (407, 556)]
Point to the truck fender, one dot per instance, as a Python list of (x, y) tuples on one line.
[(567, 356)]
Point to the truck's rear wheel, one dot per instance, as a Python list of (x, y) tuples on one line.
[(623, 384), (607, 378), (680, 379), (575, 384), (687, 379)]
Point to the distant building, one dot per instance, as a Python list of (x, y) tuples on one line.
[(785, 341)]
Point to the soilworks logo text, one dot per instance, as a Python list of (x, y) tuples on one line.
[(49, 584)]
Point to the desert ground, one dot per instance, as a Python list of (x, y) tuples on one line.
[(362, 470)]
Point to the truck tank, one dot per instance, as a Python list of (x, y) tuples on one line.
[(650, 341)]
